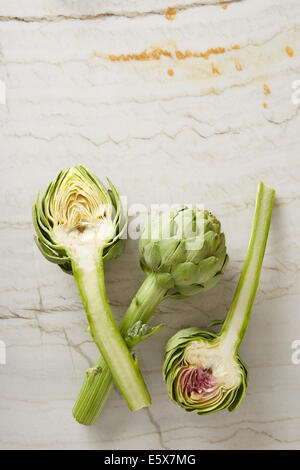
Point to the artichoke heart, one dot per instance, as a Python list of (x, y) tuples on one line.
[(80, 210), (77, 211), (203, 377)]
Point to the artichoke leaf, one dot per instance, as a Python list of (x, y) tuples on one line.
[(140, 331)]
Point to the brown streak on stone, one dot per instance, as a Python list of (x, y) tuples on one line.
[(238, 65), (214, 69), (289, 51), (170, 14)]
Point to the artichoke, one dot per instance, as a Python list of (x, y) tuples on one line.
[(185, 248), (78, 225), (183, 252), (203, 371)]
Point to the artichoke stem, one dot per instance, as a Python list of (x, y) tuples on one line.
[(88, 272), (144, 303), (237, 320), (96, 388)]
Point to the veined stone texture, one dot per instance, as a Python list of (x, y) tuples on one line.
[(197, 108)]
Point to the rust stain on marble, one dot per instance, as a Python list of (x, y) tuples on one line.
[(289, 50), (203, 55), (215, 69), (267, 89), (156, 53), (170, 14), (171, 72), (238, 65)]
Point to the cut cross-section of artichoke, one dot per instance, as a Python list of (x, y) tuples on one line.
[(203, 371), (79, 224)]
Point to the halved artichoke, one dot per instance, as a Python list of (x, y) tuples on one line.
[(76, 202), (199, 377), (78, 225), (203, 371)]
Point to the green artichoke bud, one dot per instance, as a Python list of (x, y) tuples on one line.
[(203, 371), (185, 248), (78, 225), (183, 252)]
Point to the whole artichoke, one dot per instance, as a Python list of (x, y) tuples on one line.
[(185, 248)]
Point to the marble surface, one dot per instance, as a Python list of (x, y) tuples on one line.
[(206, 134)]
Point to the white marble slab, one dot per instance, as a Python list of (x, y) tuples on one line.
[(196, 136)]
